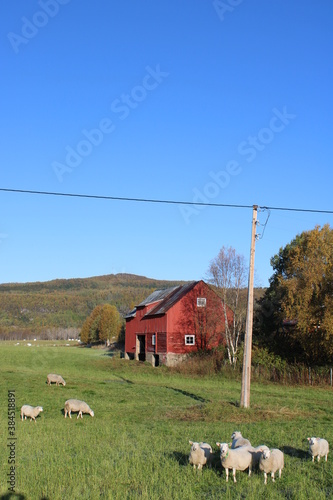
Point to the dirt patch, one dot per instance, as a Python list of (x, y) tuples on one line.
[(231, 412)]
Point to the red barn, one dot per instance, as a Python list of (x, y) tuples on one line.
[(171, 323)]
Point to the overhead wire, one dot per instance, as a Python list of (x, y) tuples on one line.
[(161, 201)]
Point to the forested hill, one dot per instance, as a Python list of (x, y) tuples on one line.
[(46, 308)]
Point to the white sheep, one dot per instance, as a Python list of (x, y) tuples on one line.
[(256, 454), (200, 454), (235, 459), (30, 411), (318, 447), (77, 405), (270, 462), (57, 379), (238, 440)]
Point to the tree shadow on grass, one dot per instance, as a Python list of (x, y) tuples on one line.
[(189, 394), (116, 380), (295, 452)]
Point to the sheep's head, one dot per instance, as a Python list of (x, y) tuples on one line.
[(224, 448), (236, 435), (91, 413), (64, 383), (194, 445), (261, 448), (39, 408), (266, 454), (312, 440)]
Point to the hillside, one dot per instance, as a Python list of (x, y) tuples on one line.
[(58, 308)]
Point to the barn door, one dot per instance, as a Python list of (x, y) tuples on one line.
[(141, 347)]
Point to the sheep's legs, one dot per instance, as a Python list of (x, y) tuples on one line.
[(234, 475), (272, 476), (226, 475), (265, 476)]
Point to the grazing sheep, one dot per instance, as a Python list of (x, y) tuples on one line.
[(52, 377), (238, 440), (30, 411), (318, 447), (235, 459), (200, 454), (256, 454), (77, 405), (270, 462)]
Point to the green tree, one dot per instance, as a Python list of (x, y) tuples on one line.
[(296, 313)]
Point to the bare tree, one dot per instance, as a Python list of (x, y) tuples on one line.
[(228, 272)]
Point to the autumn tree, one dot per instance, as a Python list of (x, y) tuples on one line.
[(228, 273), (102, 325), (296, 313), (90, 328), (109, 323), (84, 334)]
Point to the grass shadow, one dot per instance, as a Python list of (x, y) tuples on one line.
[(295, 452), (181, 458), (189, 394), (118, 380), (13, 496)]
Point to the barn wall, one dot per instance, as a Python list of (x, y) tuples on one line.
[(180, 320), (146, 326), (170, 328)]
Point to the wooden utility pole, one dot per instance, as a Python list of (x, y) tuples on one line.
[(246, 375)]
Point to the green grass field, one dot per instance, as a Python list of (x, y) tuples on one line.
[(137, 444)]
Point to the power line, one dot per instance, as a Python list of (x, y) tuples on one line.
[(119, 198), (169, 202)]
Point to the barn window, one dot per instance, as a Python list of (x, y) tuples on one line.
[(201, 301), (153, 339), (189, 339)]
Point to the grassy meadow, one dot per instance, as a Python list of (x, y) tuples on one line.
[(137, 444)]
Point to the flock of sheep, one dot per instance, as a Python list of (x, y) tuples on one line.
[(241, 455), (238, 455), (71, 405)]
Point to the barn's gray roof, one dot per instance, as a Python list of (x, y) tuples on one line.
[(131, 314), (171, 299), (166, 298), (157, 296)]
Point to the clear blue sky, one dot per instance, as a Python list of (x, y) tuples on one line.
[(225, 102)]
